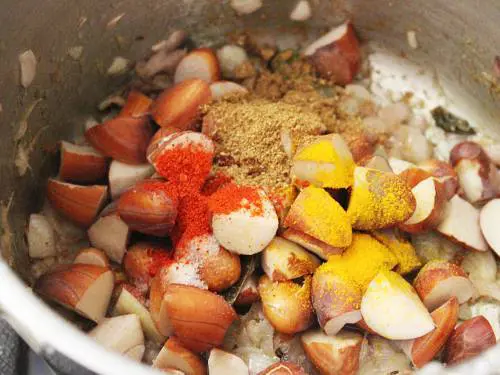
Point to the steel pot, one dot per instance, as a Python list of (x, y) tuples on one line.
[(456, 38)]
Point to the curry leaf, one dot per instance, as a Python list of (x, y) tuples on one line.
[(450, 122)]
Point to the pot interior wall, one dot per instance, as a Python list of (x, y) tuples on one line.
[(456, 38)]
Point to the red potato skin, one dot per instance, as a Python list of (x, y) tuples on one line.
[(436, 215), (300, 314), (247, 297), (210, 58), (179, 106), (362, 324), (302, 239), (67, 283), (414, 176), (332, 297), (82, 168), (100, 258), (149, 208), (468, 340), (154, 148), (445, 173), (196, 363), (433, 272), (283, 368), (425, 348), (474, 152), (467, 150), (341, 60), (195, 334), (137, 105), (123, 138), (80, 204), (347, 363), (142, 262), (221, 271), (361, 146)]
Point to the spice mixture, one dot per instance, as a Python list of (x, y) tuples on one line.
[(293, 203), (257, 135), (248, 139)]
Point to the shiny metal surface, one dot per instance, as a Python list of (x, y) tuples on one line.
[(456, 38)]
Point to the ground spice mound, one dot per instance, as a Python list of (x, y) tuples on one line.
[(214, 183), (231, 198), (193, 219), (328, 108), (249, 135), (378, 200), (159, 259), (187, 167)]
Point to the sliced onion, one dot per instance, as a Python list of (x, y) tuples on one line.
[(231, 57), (75, 52), (22, 160), (411, 37), (27, 62), (162, 61), (415, 147), (114, 21), (419, 122), (302, 11), (432, 246), (246, 6), (383, 358), (395, 114), (480, 265), (174, 41), (376, 125), (358, 91), (118, 66), (41, 237)]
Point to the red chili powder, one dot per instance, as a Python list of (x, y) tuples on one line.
[(214, 183), (232, 197), (159, 259), (278, 201), (187, 167), (193, 219)]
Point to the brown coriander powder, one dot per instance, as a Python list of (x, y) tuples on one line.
[(249, 143)]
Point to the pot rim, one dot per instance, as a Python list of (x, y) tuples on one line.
[(36, 323), (44, 330)]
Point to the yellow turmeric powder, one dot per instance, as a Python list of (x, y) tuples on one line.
[(402, 249), (333, 164), (287, 305), (317, 214), (361, 262), (379, 200), (320, 151), (335, 265), (334, 292)]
